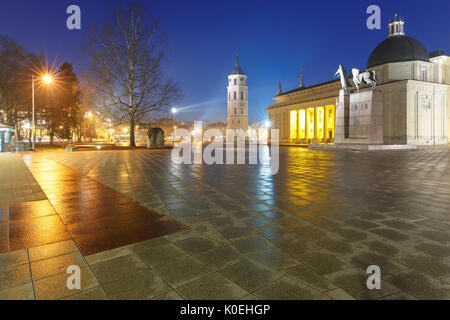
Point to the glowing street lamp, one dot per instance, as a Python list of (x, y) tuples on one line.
[(47, 79)]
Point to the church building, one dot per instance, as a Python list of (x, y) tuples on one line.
[(415, 88), (237, 99)]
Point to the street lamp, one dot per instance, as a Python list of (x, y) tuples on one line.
[(47, 79)]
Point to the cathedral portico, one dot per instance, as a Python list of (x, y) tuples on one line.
[(414, 87)]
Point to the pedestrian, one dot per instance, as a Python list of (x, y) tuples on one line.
[(13, 142)]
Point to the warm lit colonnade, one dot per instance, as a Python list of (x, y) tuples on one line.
[(312, 125)]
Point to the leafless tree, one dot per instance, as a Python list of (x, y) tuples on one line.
[(12, 58), (127, 60)]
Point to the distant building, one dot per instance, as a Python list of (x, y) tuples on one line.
[(237, 99), (5, 136)]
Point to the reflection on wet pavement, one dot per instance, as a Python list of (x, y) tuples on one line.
[(309, 232), (95, 216)]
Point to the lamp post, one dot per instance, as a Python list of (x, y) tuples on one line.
[(173, 111), (32, 107), (46, 79)]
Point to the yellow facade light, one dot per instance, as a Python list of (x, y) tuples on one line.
[(302, 124), (320, 122), (293, 125), (310, 123)]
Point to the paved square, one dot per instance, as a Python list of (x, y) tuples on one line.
[(309, 232)]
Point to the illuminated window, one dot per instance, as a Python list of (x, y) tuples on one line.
[(319, 122), (330, 121), (293, 127), (302, 124), (310, 122)]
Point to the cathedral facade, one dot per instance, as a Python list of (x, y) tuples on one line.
[(415, 87), (237, 98)]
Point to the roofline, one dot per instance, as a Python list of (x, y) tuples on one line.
[(305, 88)]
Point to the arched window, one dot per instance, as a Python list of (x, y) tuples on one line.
[(234, 110), (242, 95), (234, 81), (235, 95), (242, 110)]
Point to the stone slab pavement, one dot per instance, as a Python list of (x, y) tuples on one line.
[(309, 232)]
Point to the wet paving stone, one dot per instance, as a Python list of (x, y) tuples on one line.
[(220, 257), (309, 276), (96, 293), (381, 247), (386, 264), (435, 250), (432, 266), (252, 244), (330, 211), (289, 289), (212, 287), (52, 266), (250, 275), (390, 234), (55, 287), (354, 282), (97, 217), (182, 270), (118, 268), (420, 285), (195, 245), (275, 258), (143, 286), (323, 262)]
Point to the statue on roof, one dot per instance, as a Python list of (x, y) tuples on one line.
[(279, 89), (302, 78), (342, 73)]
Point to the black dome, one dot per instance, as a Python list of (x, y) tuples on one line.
[(397, 49)]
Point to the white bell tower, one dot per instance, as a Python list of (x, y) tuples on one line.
[(237, 99), (396, 27)]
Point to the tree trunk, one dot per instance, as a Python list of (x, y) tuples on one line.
[(52, 134), (132, 139)]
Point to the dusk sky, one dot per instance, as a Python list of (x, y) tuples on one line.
[(274, 40)]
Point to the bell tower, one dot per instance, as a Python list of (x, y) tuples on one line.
[(237, 99), (396, 27)]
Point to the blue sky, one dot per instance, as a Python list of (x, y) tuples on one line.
[(274, 40)]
